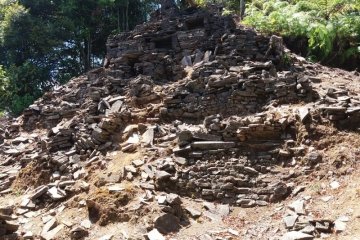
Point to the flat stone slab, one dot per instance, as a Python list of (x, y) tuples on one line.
[(334, 109), (298, 207), (130, 168), (353, 110), (19, 140), (216, 212), (161, 175), (13, 152), (155, 235), (115, 188), (186, 61), (138, 163), (86, 224), (303, 114), (193, 212), (10, 227), (52, 223), (294, 235), (55, 193), (212, 145), (206, 136), (290, 221), (5, 217), (53, 234), (3, 175), (334, 185), (116, 106), (106, 237), (173, 199), (339, 226), (148, 137), (180, 160), (38, 192)]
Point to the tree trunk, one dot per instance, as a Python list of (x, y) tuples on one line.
[(127, 16), (242, 9), (82, 56), (118, 19), (87, 53), (123, 19)]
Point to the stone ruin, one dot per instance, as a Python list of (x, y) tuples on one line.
[(205, 97)]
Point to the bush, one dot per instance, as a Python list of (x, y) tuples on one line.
[(19, 103), (332, 27), (19, 87)]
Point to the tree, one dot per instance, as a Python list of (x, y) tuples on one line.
[(25, 55), (242, 9), (44, 43)]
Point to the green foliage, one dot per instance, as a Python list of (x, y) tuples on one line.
[(9, 10), (20, 86), (4, 84), (19, 103), (44, 43), (231, 6), (332, 27)]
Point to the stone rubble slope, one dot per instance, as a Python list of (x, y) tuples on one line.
[(217, 110)]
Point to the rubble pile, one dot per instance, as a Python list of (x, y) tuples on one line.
[(302, 225), (206, 101), (340, 108), (7, 224)]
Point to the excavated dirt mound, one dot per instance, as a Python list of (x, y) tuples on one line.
[(33, 175), (105, 208)]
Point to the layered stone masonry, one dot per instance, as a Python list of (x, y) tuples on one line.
[(231, 160), (244, 89)]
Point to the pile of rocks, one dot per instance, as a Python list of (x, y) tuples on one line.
[(227, 71), (186, 90), (7, 225), (176, 214), (62, 103), (301, 225), (214, 165), (341, 108), (7, 176), (239, 87), (231, 159)]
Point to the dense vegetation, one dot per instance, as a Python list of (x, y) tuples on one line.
[(44, 43), (330, 28)]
